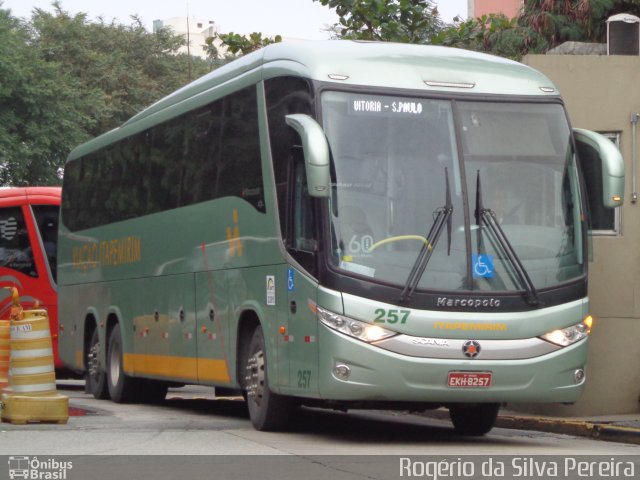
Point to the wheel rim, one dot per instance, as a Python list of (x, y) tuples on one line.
[(93, 360), (114, 363), (255, 377)]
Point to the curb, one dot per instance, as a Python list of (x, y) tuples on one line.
[(594, 430), (579, 428), (616, 433)]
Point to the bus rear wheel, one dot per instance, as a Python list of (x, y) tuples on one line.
[(122, 388), (268, 411), (96, 378), (475, 419)]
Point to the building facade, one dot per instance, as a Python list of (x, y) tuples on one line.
[(195, 31), (510, 8), (601, 94)]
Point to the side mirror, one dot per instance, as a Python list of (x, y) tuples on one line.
[(594, 147), (316, 153)]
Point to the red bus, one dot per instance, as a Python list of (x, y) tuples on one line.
[(28, 251)]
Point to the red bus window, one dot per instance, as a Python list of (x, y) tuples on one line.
[(15, 247)]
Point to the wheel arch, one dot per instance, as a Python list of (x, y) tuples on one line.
[(248, 321), (90, 325)]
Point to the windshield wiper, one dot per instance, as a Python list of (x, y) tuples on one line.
[(442, 216), (488, 217)]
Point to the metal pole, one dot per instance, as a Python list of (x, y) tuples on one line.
[(634, 153)]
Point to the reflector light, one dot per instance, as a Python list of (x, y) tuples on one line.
[(432, 83)]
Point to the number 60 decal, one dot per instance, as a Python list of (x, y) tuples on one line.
[(391, 316)]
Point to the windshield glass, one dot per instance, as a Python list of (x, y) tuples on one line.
[(391, 158), (524, 159)]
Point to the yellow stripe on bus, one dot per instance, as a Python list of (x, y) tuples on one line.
[(79, 359), (212, 370)]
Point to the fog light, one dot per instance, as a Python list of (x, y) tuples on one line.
[(342, 372), (578, 375)]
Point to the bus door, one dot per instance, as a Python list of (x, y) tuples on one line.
[(302, 288), (46, 242), (212, 325)]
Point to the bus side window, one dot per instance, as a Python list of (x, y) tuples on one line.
[(15, 247), (285, 95), (303, 239)]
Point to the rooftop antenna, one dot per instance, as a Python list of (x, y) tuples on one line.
[(188, 43)]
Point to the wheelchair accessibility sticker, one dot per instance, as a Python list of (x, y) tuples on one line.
[(291, 282), (482, 265)]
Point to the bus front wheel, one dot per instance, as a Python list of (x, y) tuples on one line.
[(96, 377), (267, 410), (476, 419)]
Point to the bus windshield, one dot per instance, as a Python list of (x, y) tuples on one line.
[(503, 172)]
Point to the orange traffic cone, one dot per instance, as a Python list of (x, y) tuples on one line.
[(5, 350), (31, 395)]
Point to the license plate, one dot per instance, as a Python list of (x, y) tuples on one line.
[(469, 379)]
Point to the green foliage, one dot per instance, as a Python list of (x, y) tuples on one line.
[(491, 33), (407, 21), (243, 44), (64, 80), (41, 118), (542, 24), (117, 69)]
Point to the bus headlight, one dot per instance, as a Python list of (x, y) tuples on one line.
[(354, 328), (570, 335)]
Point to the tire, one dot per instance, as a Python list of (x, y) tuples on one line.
[(122, 388), (267, 410), (475, 419), (95, 376)]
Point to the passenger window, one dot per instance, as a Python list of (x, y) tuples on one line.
[(15, 247)]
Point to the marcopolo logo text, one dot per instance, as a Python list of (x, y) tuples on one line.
[(445, 302)]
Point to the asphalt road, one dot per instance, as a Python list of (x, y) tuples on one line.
[(194, 435)]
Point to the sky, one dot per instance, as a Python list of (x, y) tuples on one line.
[(290, 18)]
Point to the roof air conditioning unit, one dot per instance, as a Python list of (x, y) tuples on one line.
[(623, 35)]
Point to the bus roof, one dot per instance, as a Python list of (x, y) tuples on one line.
[(30, 195), (376, 64)]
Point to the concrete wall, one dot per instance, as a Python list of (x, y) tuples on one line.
[(601, 93)]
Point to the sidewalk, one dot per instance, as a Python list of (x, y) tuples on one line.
[(610, 428)]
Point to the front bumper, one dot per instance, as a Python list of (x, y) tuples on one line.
[(381, 375)]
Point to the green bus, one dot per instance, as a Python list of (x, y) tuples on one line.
[(337, 224)]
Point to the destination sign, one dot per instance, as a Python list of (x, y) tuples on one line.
[(386, 106)]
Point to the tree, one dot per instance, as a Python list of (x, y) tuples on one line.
[(225, 47), (117, 69), (64, 80), (542, 25), (493, 33), (41, 117), (243, 44), (407, 21)]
